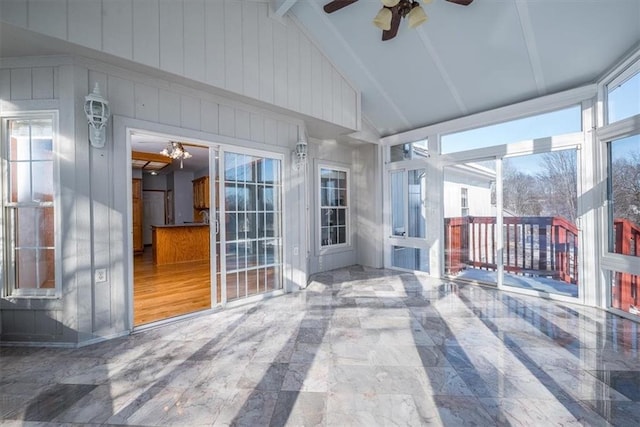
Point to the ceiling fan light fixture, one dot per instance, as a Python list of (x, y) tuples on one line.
[(383, 19), (390, 3), (416, 17)]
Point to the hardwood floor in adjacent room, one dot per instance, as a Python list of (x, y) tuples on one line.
[(162, 292)]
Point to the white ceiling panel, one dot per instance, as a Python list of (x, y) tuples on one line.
[(467, 59)]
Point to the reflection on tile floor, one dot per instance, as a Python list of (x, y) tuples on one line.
[(359, 347)]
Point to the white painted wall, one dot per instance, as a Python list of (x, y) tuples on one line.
[(182, 196), (95, 223), (367, 198), (364, 198), (231, 45), (221, 72)]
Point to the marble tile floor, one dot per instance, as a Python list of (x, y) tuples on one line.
[(358, 347)]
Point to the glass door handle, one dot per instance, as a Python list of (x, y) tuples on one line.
[(217, 223)]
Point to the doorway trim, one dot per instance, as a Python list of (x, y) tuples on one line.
[(123, 127)]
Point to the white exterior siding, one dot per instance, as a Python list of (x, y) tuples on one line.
[(94, 201), (231, 45)]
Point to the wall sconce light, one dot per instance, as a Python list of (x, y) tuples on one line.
[(97, 110), (300, 152)]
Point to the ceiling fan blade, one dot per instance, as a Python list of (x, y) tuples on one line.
[(461, 2), (334, 5), (395, 24)]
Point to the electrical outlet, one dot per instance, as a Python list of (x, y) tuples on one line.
[(295, 250), (100, 275)]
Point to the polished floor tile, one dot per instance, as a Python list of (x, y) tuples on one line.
[(358, 347)]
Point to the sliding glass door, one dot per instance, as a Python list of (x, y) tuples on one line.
[(250, 217), (540, 198), (470, 221), (522, 233)]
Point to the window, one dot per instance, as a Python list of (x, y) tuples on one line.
[(409, 151), (334, 206), (464, 202), (623, 97), (28, 206), (620, 134), (559, 122), (624, 196)]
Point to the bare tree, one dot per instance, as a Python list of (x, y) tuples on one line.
[(625, 186), (559, 184), (521, 193)]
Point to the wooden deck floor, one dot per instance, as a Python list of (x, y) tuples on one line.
[(162, 292)]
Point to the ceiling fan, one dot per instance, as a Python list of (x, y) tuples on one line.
[(388, 18)]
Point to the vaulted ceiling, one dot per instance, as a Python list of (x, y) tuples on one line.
[(463, 60), (467, 59)]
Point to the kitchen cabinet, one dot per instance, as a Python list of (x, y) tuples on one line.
[(201, 193), (136, 202)]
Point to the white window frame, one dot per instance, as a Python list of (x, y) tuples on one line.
[(222, 150), (322, 249), (464, 201), (606, 133), (615, 79), (8, 285)]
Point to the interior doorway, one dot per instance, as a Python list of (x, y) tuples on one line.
[(172, 275), (213, 226)]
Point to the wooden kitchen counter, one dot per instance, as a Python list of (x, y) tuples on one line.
[(180, 243)]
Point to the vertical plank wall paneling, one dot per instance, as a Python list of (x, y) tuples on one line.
[(146, 32), (5, 84), (250, 55), (293, 69), (280, 65), (77, 235), (317, 102), (14, 12), (190, 112), (211, 116), (194, 51), (169, 108), (85, 25), (233, 46), (146, 100), (117, 28), (270, 131), (349, 115), (336, 98), (229, 44), (93, 204), (266, 58), (172, 37), (226, 120), (305, 76), (120, 93), (214, 44), (21, 83), (42, 83), (243, 124), (327, 90), (48, 17), (256, 132)]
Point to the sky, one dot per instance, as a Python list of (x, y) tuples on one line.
[(623, 102), (558, 122)]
